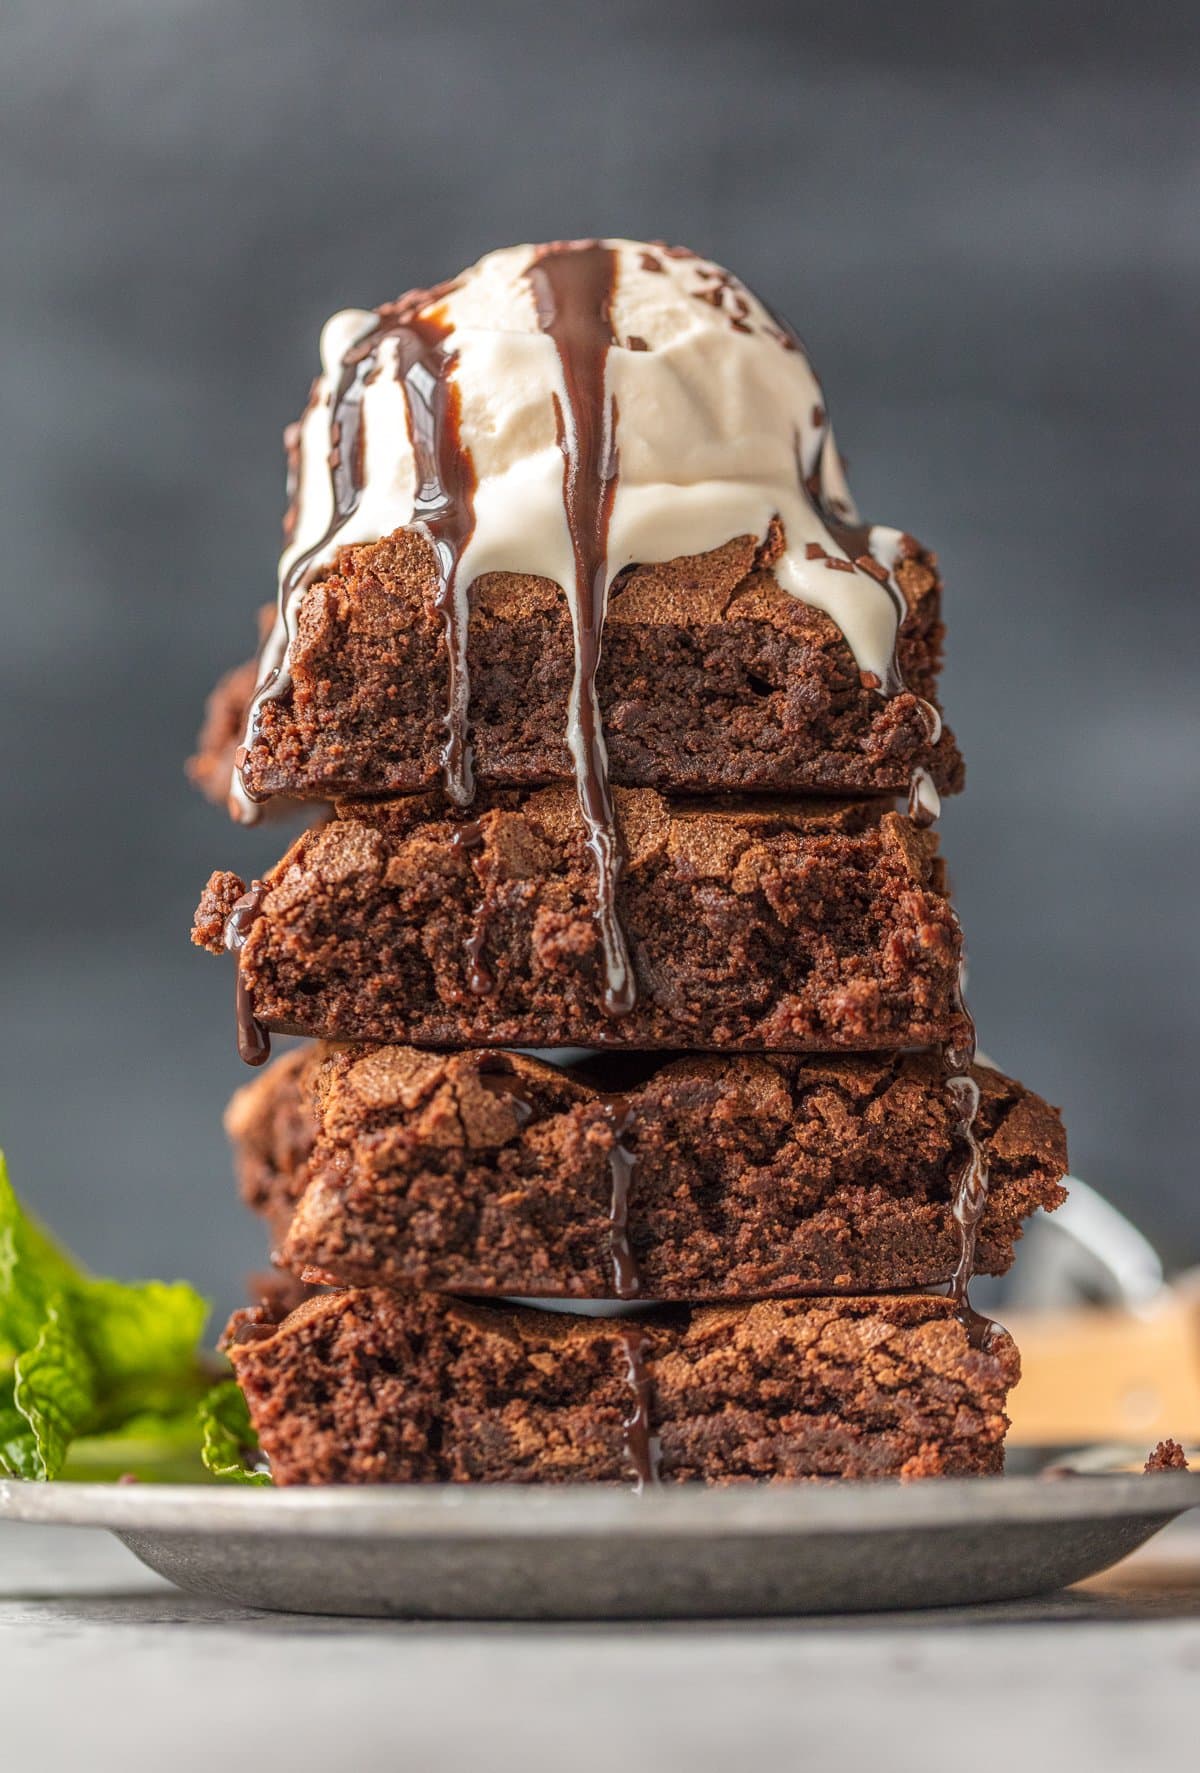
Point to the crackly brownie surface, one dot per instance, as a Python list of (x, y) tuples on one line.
[(381, 1387), (769, 924), (701, 1178), (711, 678)]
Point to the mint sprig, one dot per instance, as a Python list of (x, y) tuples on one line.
[(100, 1377), (229, 1445)]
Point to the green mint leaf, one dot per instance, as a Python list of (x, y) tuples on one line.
[(87, 1362), (146, 1328), (228, 1441), (18, 1448), (54, 1388), (33, 1271)]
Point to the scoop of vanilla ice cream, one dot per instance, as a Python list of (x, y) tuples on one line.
[(720, 422)]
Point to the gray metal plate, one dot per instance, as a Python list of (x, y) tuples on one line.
[(579, 1553)]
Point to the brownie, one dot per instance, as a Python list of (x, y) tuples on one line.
[(276, 1292), (793, 925), (211, 768), (701, 1178), (270, 1125), (1168, 1455), (380, 1387), (711, 678)]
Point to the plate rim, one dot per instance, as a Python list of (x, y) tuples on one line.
[(469, 1512)]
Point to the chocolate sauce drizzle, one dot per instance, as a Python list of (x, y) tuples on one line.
[(924, 804), (641, 1443), (619, 1114), (971, 1187), (573, 287), (497, 1077), (854, 539), (444, 507), (478, 977), (253, 1041), (470, 837), (969, 1194), (347, 453)]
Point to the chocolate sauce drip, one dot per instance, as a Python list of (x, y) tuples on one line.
[(498, 1079), (573, 289), (641, 1443), (923, 803), (854, 539), (726, 293), (981, 1331), (970, 1193), (627, 1282), (253, 1041), (479, 977), (971, 1186), (444, 507), (347, 432), (470, 837)]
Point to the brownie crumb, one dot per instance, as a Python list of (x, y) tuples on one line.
[(218, 899), (1167, 1456)]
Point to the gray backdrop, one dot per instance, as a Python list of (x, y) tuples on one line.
[(984, 221)]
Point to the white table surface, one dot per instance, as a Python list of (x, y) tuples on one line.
[(103, 1667)]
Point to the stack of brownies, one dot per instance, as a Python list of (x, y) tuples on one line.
[(628, 726)]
